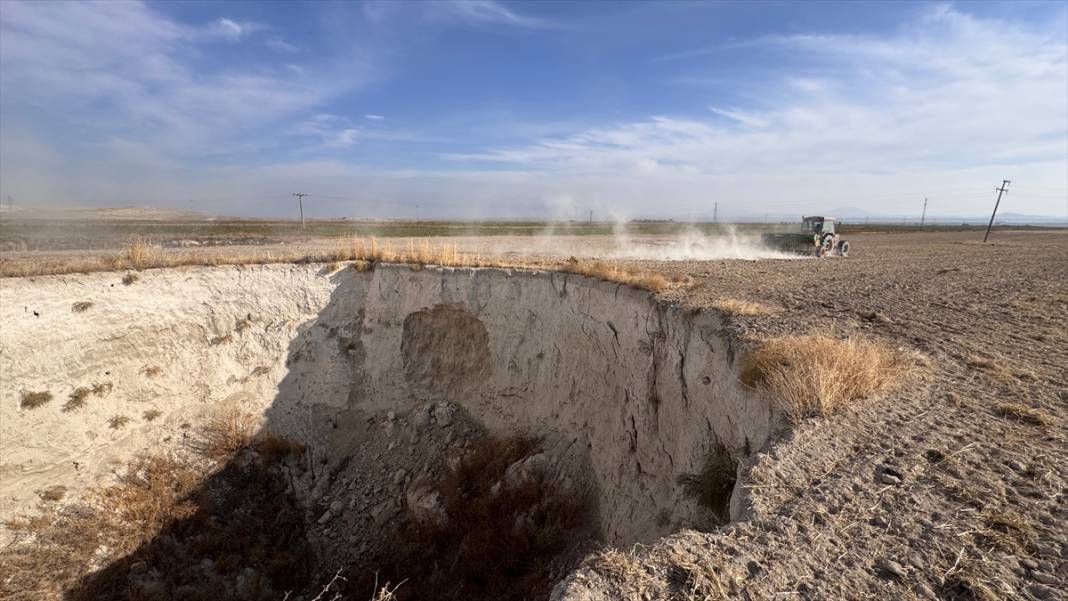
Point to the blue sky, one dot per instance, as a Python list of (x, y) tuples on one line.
[(535, 109)]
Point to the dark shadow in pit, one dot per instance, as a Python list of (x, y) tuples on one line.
[(425, 498)]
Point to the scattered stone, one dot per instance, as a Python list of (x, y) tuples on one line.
[(399, 476), (1042, 592), (1044, 578), (337, 506), (889, 479), (1029, 563), (326, 517), (891, 568)]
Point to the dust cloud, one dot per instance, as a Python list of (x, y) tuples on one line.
[(696, 246)]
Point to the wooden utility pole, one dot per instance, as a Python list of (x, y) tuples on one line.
[(923, 217), (1003, 189), (300, 199), (715, 212)]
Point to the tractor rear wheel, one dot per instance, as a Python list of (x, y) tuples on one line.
[(843, 248)]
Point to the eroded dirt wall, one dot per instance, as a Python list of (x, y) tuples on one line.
[(630, 394)]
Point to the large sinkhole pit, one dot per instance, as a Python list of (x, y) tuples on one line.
[(626, 407)]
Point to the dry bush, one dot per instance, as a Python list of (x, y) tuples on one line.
[(77, 398), (224, 339), (223, 435), (275, 448), (745, 308), (81, 306), (101, 388), (151, 414), (1022, 413), (118, 422), (151, 371), (496, 543), (814, 375), (713, 485), (130, 278), (33, 400), (612, 272), (53, 494)]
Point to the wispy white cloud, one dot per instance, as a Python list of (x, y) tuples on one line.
[(374, 117), (484, 12), (231, 30), (947, 94)]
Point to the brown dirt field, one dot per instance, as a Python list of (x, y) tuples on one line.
[(991, 322)]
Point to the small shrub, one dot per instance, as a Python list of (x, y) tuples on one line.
[(815, 374), (130, 278), (151, 414), (102, 388), (223, 435), (118, 422), (151, 371), (275, 448), (712, 487), (77, 398), (33, 400), (242, 324), (81, 306), (53, 494)]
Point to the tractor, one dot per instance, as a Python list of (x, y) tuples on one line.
[(817, 237)]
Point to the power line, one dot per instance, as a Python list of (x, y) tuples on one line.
[(1004, 188)]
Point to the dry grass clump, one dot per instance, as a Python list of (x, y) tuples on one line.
[(151, 414), (223, 435), (53, 494), (81, 306), (736, 306), (217, 340), (813, 375), (624, 569), (148, 534), (613, 272), (1009, 531), (33, 400), (118, 422), (130, 278), (1022, 413), (77, 399), (101, 388), (151, 371)]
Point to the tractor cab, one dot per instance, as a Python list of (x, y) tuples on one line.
[(817, 225)]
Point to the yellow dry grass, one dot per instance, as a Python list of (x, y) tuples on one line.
[(223, 435), (747, 308), (362, 252), (613, 272), (814, 375)]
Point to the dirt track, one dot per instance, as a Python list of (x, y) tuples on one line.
[(981, 510)]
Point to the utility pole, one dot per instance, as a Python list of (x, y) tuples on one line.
[(300, 199), (591, 216), (923, 217), (1003, 189), (715, 212)]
